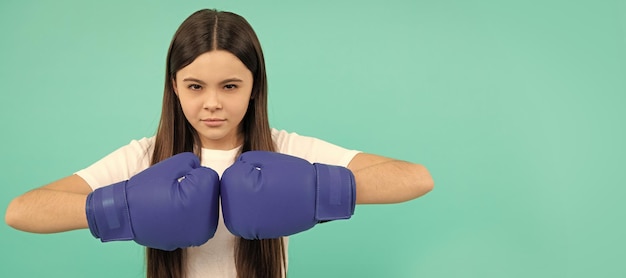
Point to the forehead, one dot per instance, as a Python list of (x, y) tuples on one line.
[(215, 66)]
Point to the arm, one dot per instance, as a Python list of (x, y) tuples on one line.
[(56, 207), (123, 211), (60, 206), (382, 180)]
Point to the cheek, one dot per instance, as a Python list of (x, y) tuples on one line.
[(188, 106), (242, 108)]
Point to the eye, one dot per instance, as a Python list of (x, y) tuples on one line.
[(194, 87), (230, 86)]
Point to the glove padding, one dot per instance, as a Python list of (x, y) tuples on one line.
[(172, 204), (270, 195)]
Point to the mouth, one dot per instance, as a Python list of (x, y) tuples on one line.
[(213, 122)]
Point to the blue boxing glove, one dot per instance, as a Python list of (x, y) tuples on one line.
[(173, 204), (270, 195)]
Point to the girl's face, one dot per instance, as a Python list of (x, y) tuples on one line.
[(214, 92)]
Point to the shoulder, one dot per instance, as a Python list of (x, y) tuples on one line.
[(287, 142), (121, 164), (311, 148), (136, 152), (279, 135)]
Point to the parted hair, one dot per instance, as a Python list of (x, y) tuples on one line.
[(203, 31)]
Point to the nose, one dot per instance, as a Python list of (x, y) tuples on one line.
[(212, 101)]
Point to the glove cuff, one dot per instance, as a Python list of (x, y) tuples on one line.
[(107, 213), (336, 193)]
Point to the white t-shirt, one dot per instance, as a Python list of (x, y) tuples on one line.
[(216, 257)]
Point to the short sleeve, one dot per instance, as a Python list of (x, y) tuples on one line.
[(119, 165), (312, 149)]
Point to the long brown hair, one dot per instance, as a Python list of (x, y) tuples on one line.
[(203, 31)]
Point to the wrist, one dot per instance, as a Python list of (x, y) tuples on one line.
[(107, 213), (336, 193)]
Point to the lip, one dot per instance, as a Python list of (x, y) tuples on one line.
[(213, 122)]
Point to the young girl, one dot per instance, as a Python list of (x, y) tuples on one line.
[(214, 106)]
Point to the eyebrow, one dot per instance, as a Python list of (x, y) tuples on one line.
[(190, 79), (229, 80)]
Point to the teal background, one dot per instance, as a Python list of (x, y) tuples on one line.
[(516, 108)]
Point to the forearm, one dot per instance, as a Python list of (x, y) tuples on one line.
[(386, 180), (57, 207), (47, 211)]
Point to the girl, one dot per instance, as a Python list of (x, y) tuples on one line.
[(214, 105)]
